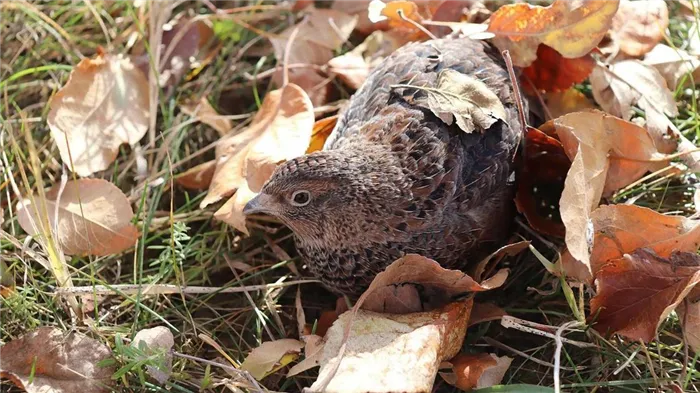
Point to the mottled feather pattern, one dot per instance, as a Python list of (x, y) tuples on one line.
[(406, 181)]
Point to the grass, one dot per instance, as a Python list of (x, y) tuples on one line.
[(182, 245)]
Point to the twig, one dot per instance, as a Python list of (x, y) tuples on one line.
[(416, 25), (168, 289), (516, 94), (505, 347), (288, 49), (535, 328), (558, 340)]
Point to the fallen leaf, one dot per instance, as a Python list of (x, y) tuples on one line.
[(621, 229), (571, 28), (159, 342), (92, 217), (639, 25), (354, 67), (56, 362), (638, 291), (313, 353), (392, 353), (478, 371), (606, 153), (689, 317), (198, 177), (552, 72), (568, 101), (322, 129), (485, 312), (270, 356), (281, 130), (397, 13), (630, 82), (673, 64), (204, 112), (359, 8), (103, 105), (461, 98), (390, 291), (541, 174)]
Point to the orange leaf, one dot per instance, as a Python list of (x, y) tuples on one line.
[(552, 72), (689, 316), (568, 101), (541, 176), (571, 28), (322, 129), (637, 292), (479, 371), (281, 130), (639, 25), (198, 177)]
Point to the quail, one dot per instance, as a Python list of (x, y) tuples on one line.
[(393, 178)]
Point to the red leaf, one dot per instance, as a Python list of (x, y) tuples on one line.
[(553, 72)]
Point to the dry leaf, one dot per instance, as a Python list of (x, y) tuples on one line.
[(607, 153), (322, 129), (313, 353), (354, 67), (552, 72), (103, 105), (571, 28), (478, 371), (198, 177), (392, 353), (621, 229), (360, 9), (204, 112), (673, 64), (396, 13), (689, 316), (485, 312), (639, 25), (628, 82), (94, 217), (281, 130), (159, 341), (694, 39), (637, 292), (563, 103), (270, 356), (390, 291), (468, 100), (56, 363)]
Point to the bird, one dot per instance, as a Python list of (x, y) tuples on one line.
[(394, 179)]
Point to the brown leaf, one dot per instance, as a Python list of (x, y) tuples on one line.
[(392, 290), (321, 131), (392, 353), (607, 153), (479, 371), (159, 341), (630, 82), (673, 64), (270, 356), (541, 176), (639, 25), (637, 292), (103, 105), (354, 67), (568, 101), (689, 317), (621, 229), (396, 13), (56, 363), (571, 28), (359, 8), (281, 130), (553, 72), (204, 112), (198, 177), (94, 217), (485, 312), (313, 353)]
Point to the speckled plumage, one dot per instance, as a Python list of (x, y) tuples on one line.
[(395, 179)]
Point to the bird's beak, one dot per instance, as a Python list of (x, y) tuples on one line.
[(259, 204)]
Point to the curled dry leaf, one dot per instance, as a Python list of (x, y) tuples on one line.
[(639, 25), (204, 112), (92, 217), (689, 316), (463, 99), (198, 177), (103, 105), (322, 129), (392, 353), (568, 101), (159, 342), (270, 356), (281, 130), (629, 82), (56, 363), (638, 291), (354, 67), (571, 28), (552, 72), (607, 153), (485, 312), (673, 64), (621, 229), (477, 371)]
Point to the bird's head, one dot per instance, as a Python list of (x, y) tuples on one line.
[(329, 195)]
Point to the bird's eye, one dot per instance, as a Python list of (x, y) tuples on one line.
[(301, 198)]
